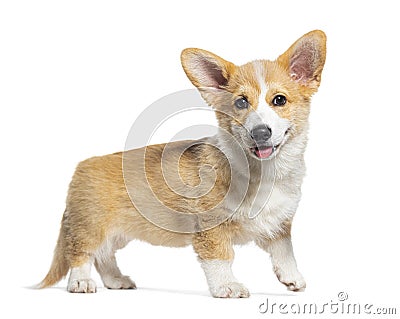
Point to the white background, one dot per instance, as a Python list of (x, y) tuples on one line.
[(74, 75)]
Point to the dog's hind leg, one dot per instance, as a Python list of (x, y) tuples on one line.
[(80, 254), (75, 252), (79, 279), (106, 265)]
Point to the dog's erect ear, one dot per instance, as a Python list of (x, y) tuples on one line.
[(305, 59), (205, 69)]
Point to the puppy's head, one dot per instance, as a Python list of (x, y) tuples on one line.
[(263, 104)]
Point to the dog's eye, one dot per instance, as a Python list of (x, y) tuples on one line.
[(242, 103), (279, 100)]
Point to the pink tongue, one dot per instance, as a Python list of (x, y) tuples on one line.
[(264, 153)]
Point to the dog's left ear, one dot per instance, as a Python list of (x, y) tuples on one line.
[(205, 69), (305, 59)]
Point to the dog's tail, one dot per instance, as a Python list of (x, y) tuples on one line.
[(59, 267)]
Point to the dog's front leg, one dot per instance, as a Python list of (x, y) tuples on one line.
[(215, 252), (283, 261)]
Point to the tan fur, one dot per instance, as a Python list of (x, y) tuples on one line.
[(216, 243), (60, 265), (99, 208)]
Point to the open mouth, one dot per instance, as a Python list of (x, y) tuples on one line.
[(264, 152)]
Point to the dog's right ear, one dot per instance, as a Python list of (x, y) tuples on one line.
[(206, 70)]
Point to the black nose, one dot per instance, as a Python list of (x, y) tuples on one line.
[(261, 133)]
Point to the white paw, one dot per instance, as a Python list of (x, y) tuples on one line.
[(123, 282), (82, 285), (230, 290), (293, 280)]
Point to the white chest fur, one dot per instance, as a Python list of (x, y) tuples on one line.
[(264, 212), (272, 190)]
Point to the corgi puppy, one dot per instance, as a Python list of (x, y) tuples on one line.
[(241, 185)]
